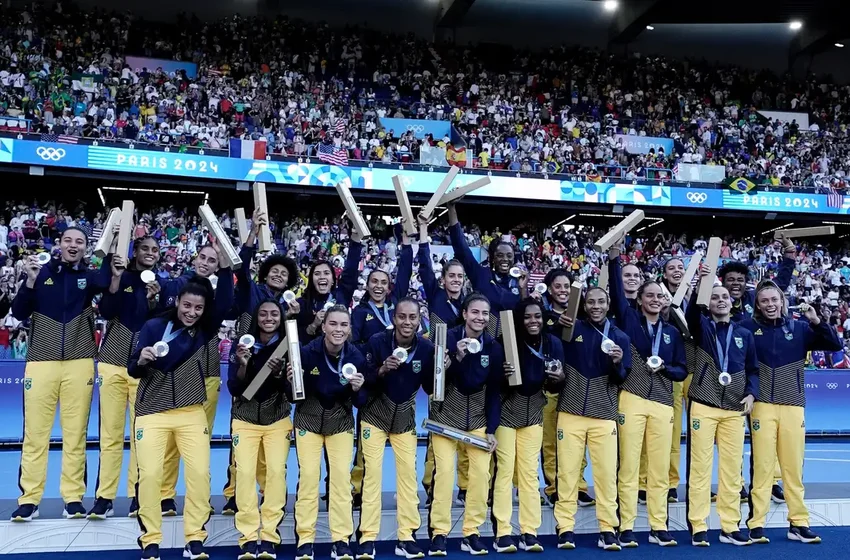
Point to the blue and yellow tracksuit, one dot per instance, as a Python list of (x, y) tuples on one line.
[(260, 425), (778, 424), (520, 437), (324, 421), (126, 312), (472, 403), (390, 414), (60, 369), (587, 408), (714, 412), (645, 408)]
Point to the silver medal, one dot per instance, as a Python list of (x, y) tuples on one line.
[(43, 258), (473, 346), (540, 288), (724, 379), (160, 349), (400, 354), (349, 371), (654, 362), (148, 277), (515, 272), (247, 341), (288, 296), (607, 345)]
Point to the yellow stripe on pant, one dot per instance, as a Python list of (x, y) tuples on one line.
[(309, 447), (600, 437), (116, 391), (68, 383), (475, 511), (462, 467), (706, 424), (517, 455), (640, 418), (189, 430), (778, 431), (373, 442), (248, 440), (171, 469)]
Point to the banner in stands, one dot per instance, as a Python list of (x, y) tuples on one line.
[(827, 393), (642, 144), (698, 173), (168, 66), (787, 117), (48, 154), (419, 127)]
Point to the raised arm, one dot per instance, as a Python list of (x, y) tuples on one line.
[(477, 272), (695, 318), (617, 292), (350, 272), (404, 272), (223, 295)]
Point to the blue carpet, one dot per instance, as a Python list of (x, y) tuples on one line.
[(835, 546)]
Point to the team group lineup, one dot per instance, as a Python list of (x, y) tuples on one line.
[(515, 374)]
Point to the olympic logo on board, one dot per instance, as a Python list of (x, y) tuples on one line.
[(832, 386), (415, 128), (697, 197), (50, 154)]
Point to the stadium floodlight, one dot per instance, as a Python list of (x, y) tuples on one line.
[(839, 45), (650, 28), (795, 25), (609, 5)]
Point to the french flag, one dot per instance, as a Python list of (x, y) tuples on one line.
[(247, 149)]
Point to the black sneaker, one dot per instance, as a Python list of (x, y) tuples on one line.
[(608, 541), (529, 543), (356, 501), (735, 537), (247, 551), (230, 507), (366, 551), (194, 550), (74, 510), (101, 510), (700, 539), (460, 499), (304, 552), (585, 499), (745, 495), (627, 539), (758, 537), (25, 512), (661, 538), (504, 544), (777, 495), (672, 496), (134, 507), (151, 552), (803, 534), (642, 497), (409, 550), (341, 551), (567, 540), (267, 551), (472, 544), (169, 507), (438, 546)]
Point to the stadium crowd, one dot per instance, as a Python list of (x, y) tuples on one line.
[(64, 70), (822, 274)]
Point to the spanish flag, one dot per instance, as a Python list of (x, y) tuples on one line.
[(456, 156), (739, 184)]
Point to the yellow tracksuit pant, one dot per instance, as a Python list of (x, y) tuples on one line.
[(778, 431), (229, 490), (600, 437), (705, 424), (116, 390), (68, 383), (247, 441), (462, 467), (641, 419), (517, 456), (188, 429), (309, 447), (475, 511), (550, 448), (680, 404), (171, 469), (373, 442)]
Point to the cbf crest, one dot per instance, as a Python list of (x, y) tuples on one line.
[(367, 433), (756, 425), (485, 361), (666, 338), (739, 342), (28, 383), (235, 440), (417, 366), (140, 434), (81, 283)]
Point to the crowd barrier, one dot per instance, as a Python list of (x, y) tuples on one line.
[(827, 393)]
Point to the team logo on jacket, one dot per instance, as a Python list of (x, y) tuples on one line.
[(515, 291), (81, 283), (28, 383), (90, 381), (140, 434), (367, 433), (550, 322), (485, 361), (756, 425), (580, 339), (739, 342), (417, 366), (758, 333), (129, 289), (695, 423), (314, 371), (749, 308), (369, 317), (235, 440), (48, 282), (666, 338), (789, 336)]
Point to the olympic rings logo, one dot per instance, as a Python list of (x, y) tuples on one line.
[(415, 128), (697, 197), (832, 386), (50, 154)]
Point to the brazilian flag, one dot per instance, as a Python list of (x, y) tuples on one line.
[(739, 184)]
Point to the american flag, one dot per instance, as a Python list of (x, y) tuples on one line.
[(333, 154), (59, 138), (676, 170), (834, 199), (339, 127)]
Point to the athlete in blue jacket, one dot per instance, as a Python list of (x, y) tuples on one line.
[(778, 425)]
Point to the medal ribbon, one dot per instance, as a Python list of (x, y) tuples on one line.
[(384, 317), (723, 355), (168, 336), (655, 336)]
